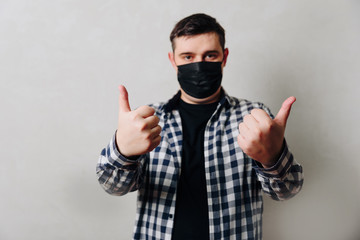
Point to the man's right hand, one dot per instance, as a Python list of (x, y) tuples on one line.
[(138, 131)]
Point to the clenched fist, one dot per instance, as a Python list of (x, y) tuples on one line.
[(261, 137), (138, 131)]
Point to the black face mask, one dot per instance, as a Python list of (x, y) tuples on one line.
[(200, 79)]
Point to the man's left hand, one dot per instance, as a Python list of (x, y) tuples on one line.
[(261, 137)]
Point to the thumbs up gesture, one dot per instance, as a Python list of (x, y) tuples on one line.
[(261, 137), (138, 131)]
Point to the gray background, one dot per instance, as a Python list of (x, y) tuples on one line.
[(61, 63)]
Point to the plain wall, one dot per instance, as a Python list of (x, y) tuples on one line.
[(61, 63)]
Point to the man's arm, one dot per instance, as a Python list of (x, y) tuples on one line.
[(117, 174), (261, 137), (119, 168)]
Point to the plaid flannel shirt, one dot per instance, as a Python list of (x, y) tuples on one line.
[(234, 181)]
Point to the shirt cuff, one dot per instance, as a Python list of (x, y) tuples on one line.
[(119, 160), (279, 170)]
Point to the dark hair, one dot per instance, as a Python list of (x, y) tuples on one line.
[(197, 24)]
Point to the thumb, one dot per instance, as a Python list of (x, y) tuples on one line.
[(124, 105), (284, 111)]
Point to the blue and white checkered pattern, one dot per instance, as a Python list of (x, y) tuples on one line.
[(234, 181)]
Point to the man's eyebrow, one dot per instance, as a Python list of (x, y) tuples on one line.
[(186, 53), (212, 51)]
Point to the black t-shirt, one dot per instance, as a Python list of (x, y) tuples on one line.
[(191, 215)]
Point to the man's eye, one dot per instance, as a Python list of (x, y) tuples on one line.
[(187, 57), (211, 56)]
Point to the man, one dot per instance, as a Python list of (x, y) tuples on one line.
[(201, 160)]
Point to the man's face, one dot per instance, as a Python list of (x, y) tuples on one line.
[(198, 48)]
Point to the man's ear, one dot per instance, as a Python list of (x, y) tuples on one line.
[(172, 60), (226, 54)]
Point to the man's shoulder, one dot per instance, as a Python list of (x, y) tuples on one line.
[(158, 106), (166, 107), (241, 103), (233, 103), (242, 106)]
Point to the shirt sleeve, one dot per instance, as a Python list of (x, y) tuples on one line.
[(283, 180), (117, 174)]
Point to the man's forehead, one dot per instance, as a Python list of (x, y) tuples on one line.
[(198, 41)]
